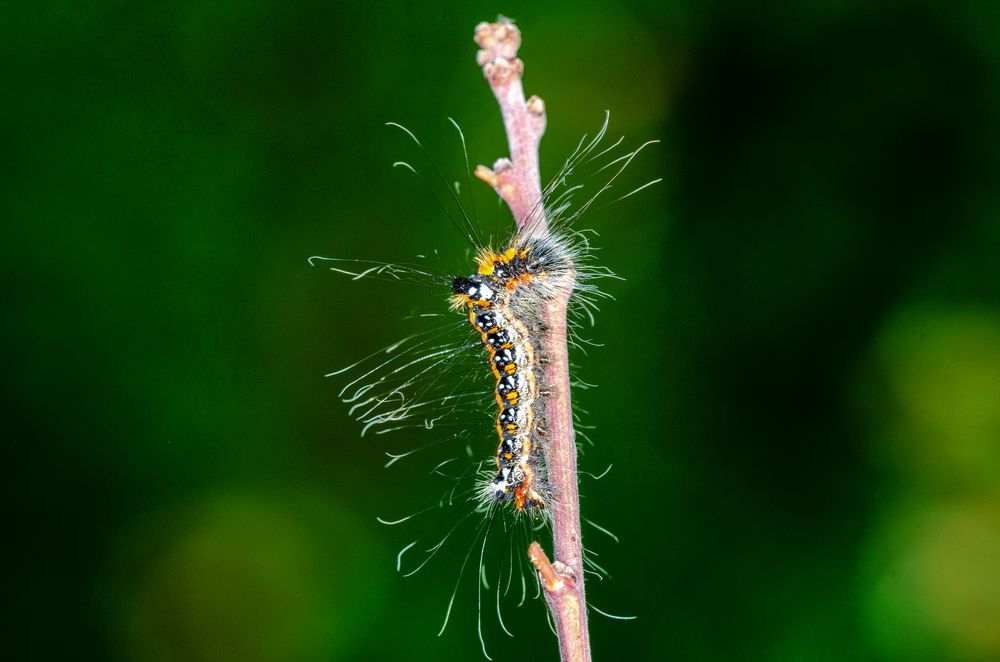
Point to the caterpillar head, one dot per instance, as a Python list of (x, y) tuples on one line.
[(472, 290)]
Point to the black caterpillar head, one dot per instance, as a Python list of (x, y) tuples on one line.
[(474, 288)]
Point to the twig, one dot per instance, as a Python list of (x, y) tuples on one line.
[(518, 182), (517, 179)]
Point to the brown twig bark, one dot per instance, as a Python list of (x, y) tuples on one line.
[(517, 181)]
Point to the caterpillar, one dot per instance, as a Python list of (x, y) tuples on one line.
[(501, 298), (433, 380)]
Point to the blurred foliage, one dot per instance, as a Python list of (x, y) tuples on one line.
[(799, 380)]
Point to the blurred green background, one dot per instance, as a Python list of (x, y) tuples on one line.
[(799, 383)]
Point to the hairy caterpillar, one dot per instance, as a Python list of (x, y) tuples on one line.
[(501, 298), (434, 377)]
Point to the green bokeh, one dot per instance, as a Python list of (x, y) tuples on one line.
[(798, 379)]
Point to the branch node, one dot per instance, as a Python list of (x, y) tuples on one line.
[(552, 575), (484, 174), (535, 105)]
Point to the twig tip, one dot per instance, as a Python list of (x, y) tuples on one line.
[(541, 562)]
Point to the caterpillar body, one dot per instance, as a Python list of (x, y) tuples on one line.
[(502, 299), (433, 379)]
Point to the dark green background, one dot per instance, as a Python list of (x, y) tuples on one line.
[(799, 383)]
